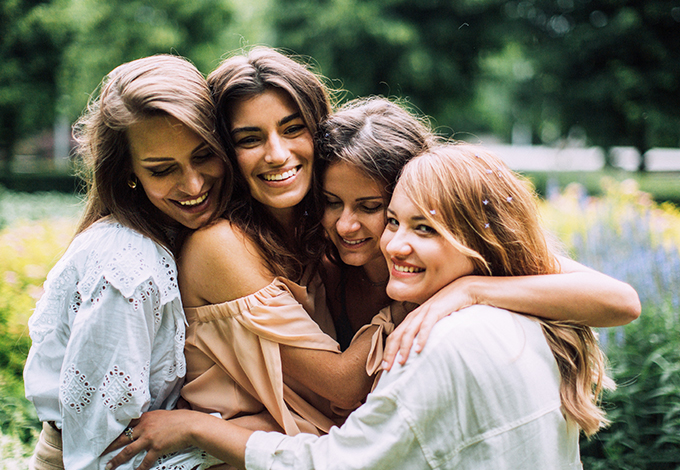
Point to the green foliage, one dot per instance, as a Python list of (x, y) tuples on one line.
[(424, 51), (16, 206), (626, 235), (609, 66), (29, 53), (28, 249), (645, 409)]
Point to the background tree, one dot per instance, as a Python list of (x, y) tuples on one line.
[(30, 51), (426, 51), (611, 67)]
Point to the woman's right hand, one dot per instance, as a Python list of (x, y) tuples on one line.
[(417, 325), (158, 432)]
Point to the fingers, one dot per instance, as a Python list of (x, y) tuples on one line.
[(132, 449), (409, 336), (399, 342), (122, 440), (392, 345)]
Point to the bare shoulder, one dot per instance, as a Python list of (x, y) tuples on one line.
[(219, 263)]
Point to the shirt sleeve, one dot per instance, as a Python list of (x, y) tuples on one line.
[(104, 381), (377, 435)]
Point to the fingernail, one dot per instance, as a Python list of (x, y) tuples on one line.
[(384, 365), (108, 466)]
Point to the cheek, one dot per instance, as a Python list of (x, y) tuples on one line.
[(328, 220), (217, 169), (244, 162), (376, 224), (384, 241), (156, 191)]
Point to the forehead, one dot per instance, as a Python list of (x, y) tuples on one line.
[(161, 137), (342, 178), (270, 105), (402, 205)]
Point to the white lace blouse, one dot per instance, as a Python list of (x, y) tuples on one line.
[(108, 339)]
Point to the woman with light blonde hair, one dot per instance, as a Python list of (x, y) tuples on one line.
[(489, 214)]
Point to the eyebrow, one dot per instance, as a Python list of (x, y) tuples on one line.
[(360, 199), (416, 218), (199, 148), (280, 123)]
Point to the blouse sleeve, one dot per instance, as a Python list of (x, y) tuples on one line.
[(104, 381), (386, 320)]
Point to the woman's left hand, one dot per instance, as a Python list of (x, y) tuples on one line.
[(157, 432), (417, 325)]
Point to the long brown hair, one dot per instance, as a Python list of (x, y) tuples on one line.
[(147, 87), (250, 74), (489, 213)]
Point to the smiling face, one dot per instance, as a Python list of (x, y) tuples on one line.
[(177, 170), (420, 260), (354, 217), (274, 149)]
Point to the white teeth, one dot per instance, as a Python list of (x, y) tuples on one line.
[(353, 242), (280, 176), (194, 202), (407, 269)]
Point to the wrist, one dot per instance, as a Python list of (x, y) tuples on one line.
[(472, 288)]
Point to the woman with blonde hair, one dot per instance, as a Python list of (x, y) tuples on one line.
[(108, 333)]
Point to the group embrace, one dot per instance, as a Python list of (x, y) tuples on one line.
[(264, 280)]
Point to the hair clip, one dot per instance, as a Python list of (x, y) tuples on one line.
[(485, 202), (489, 170), (433, 212), (509, 199), (486, 225)]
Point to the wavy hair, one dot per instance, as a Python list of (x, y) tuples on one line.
[(244, 76), (489, 213), (152, 86)]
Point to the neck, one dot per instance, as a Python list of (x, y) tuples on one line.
[(377, 272)]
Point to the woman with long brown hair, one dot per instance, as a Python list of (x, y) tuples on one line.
[(108, 331)]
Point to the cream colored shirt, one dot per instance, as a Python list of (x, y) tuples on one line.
[(482, 395)]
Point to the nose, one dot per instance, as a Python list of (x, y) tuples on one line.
[(192, 182), (397, 245), (277, 151), (347, 222)]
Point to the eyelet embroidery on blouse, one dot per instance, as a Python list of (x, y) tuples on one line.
[(145, 292), (161, 463), (48, 308), (76, 391), (117, 389)]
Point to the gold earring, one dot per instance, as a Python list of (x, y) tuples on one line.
[(132, 184)]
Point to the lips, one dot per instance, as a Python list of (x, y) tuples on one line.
[(194, 202), (281, 176), (354, 242), (407, 269)]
